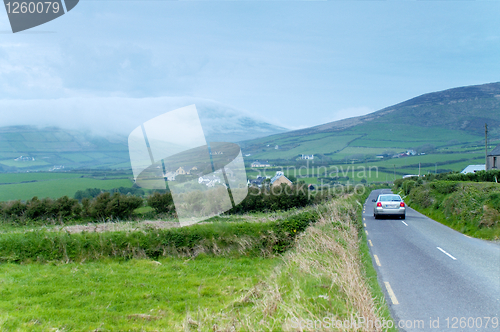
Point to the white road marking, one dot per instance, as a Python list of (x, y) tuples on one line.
[(371, 244), (366, 232), (376, 260), (391, 293), (404, 223), (364, 224), (447, 254)]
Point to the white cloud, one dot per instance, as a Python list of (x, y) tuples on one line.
[(120, 115)]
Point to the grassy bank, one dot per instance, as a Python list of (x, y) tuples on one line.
[(325, 281), (217, 238), (472, 208)]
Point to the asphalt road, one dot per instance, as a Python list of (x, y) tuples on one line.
[(430, 272)]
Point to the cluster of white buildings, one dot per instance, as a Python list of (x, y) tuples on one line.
[(24, 158)]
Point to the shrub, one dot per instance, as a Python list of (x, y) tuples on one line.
[(161, 202), (36, 208), (279, 198), (421, 196), (99, 205), (121, 206), (445, 187), (14, 208)]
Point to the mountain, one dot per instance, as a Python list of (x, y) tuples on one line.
[(453, 118), (447, 123), (225, 124), (97, 145)]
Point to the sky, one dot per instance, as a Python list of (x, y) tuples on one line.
[(291, 63)]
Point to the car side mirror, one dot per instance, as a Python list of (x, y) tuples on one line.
[(374, 200)]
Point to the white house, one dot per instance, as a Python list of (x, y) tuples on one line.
[(473, 169), (170, 176)]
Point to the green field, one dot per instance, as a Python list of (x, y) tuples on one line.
[(202, 292), (57, 187), (291, 147), (114, 295), (38, 176), (53, 146), (379, 171)]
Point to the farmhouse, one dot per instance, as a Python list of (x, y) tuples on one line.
[(306, 156), (180, 171), (256, 182), (493, 159), (280, 178), (169, 176)]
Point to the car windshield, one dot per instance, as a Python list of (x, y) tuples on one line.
[(390, 198)]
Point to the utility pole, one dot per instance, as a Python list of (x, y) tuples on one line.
[(486, 146)]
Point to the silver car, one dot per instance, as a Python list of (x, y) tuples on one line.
[(389, 205)]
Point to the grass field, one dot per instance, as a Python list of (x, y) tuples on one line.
[(291, 147), (365, 141), (52, 146), (328, 273), (379, 171), (127, 295), (38, 176), (56, 188)]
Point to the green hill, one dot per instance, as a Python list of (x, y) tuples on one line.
[(55, 147), (448, 125)]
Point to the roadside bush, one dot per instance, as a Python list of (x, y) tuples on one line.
[(279, 198), (161, 202), (36, 208), (421, 196), (105, 206), (445, 187), (14, 209), (121, 206), (481, 176), (286, 230), (66, 207), (407, 186), (226, 239), (98, 206)]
